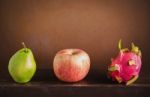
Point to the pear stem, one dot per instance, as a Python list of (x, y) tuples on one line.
[(24, 47)]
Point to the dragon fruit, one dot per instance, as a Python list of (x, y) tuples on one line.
[(126, 66)]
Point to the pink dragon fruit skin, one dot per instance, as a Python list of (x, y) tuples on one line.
[(126, 66)]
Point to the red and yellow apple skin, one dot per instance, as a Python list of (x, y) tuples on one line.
[(71, 65)]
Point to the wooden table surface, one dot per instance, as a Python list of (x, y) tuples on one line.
[(96, 84)]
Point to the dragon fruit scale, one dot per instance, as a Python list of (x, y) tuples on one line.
[(126, 66)]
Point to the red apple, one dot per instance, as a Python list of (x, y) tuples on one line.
[(71, 65)]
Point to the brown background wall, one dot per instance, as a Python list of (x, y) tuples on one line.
[(47, 26)]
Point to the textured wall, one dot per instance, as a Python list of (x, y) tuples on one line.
[(47, 26)]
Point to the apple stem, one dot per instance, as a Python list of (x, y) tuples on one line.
[(24, 47)]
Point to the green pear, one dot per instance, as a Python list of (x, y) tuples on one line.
[(22, 65)]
